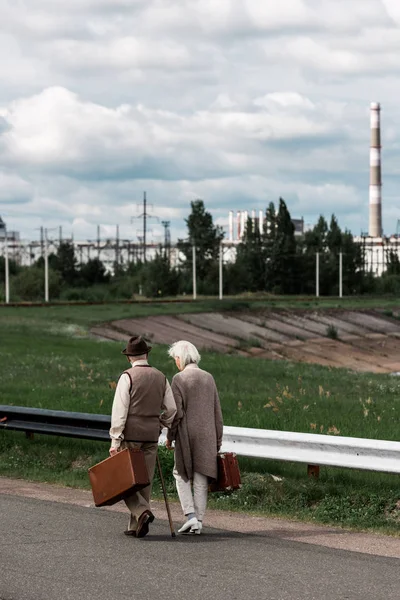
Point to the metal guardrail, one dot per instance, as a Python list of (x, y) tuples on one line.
[(311, 449), (55, 422), (314, 449)]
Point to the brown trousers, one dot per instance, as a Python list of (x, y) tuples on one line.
[(140, 501)]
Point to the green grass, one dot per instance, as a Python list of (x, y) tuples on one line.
[(48, 360), (90, 314)]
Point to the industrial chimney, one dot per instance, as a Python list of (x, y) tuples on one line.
[(375, 182)]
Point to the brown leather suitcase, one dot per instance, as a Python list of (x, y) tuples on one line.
[(228, 473), (118, 476)]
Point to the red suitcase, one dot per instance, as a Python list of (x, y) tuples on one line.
[(228, 473), (118, 476)]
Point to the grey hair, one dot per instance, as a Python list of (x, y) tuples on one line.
[(186, 352)]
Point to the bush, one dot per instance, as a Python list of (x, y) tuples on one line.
[(29, 284), (332, 332), (95, 293), (159, 279), (124, 287), (389, 284)]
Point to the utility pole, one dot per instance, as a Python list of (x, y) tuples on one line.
[(117, 247), (194, 272), (41, 242), (221, 263), (144, 225), (60, 235), (46, 268), (7, 266), (167, 237), (145, 216), (317, 275), (98, 241)]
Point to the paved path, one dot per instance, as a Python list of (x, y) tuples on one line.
[(52, 550)]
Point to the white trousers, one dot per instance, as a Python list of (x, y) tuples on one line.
[(196, 502)]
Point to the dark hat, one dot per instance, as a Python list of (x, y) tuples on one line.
[(136, 346)]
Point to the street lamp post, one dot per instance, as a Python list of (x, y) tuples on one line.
[(194, 272), (46, 267), (7, 268), (221, 283)]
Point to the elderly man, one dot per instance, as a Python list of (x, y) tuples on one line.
[(143, 404)]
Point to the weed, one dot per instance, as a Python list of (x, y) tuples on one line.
[(332, 332)]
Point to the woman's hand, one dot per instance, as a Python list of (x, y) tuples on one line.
[(168, 445), (113, 451)]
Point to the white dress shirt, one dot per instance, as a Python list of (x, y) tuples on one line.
[(121, 403)]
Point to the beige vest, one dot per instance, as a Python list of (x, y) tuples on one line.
[(147, 395)]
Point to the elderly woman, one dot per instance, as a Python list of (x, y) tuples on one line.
[(197, 432)]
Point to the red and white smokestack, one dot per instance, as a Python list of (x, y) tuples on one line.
[(230, 225), (375, 181)]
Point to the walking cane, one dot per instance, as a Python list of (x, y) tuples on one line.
[(171, 525)]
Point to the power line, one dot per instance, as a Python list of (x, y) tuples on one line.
[(145, 216)]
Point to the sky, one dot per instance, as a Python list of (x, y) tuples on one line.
[(236, 102)]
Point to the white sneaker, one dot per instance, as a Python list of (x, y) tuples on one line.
[(197, 529), (189, 525)]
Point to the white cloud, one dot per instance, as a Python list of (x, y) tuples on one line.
[(284, 100), (233, 101), (122, 53)]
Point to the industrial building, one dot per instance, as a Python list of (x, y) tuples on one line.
[(377, 247)]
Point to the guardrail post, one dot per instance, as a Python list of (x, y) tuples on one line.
[(29, 435), (313, 471)]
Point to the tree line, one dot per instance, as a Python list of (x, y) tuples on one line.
[(272, 260)]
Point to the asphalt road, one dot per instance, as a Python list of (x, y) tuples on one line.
[(53, 551)]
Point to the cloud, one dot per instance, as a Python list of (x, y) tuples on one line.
[(57, 132), (123, 53), (14, 188), (236, 102)]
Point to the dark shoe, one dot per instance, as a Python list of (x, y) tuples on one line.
[(130, 532), (143, 524)]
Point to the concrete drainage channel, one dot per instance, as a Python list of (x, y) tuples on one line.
[(364, 341)]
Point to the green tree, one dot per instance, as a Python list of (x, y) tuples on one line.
[(67, 263), (250, 260), (158, 278), (206, 237), (12, 268), (281, 269), (333, 238), (316, 241), (393, 263), (93, 272), (329, 242), (28, 284)]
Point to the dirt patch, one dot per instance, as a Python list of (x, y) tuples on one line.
[(367, 341)]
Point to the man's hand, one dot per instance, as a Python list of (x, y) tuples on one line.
[(113, 451), (168, 445)]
